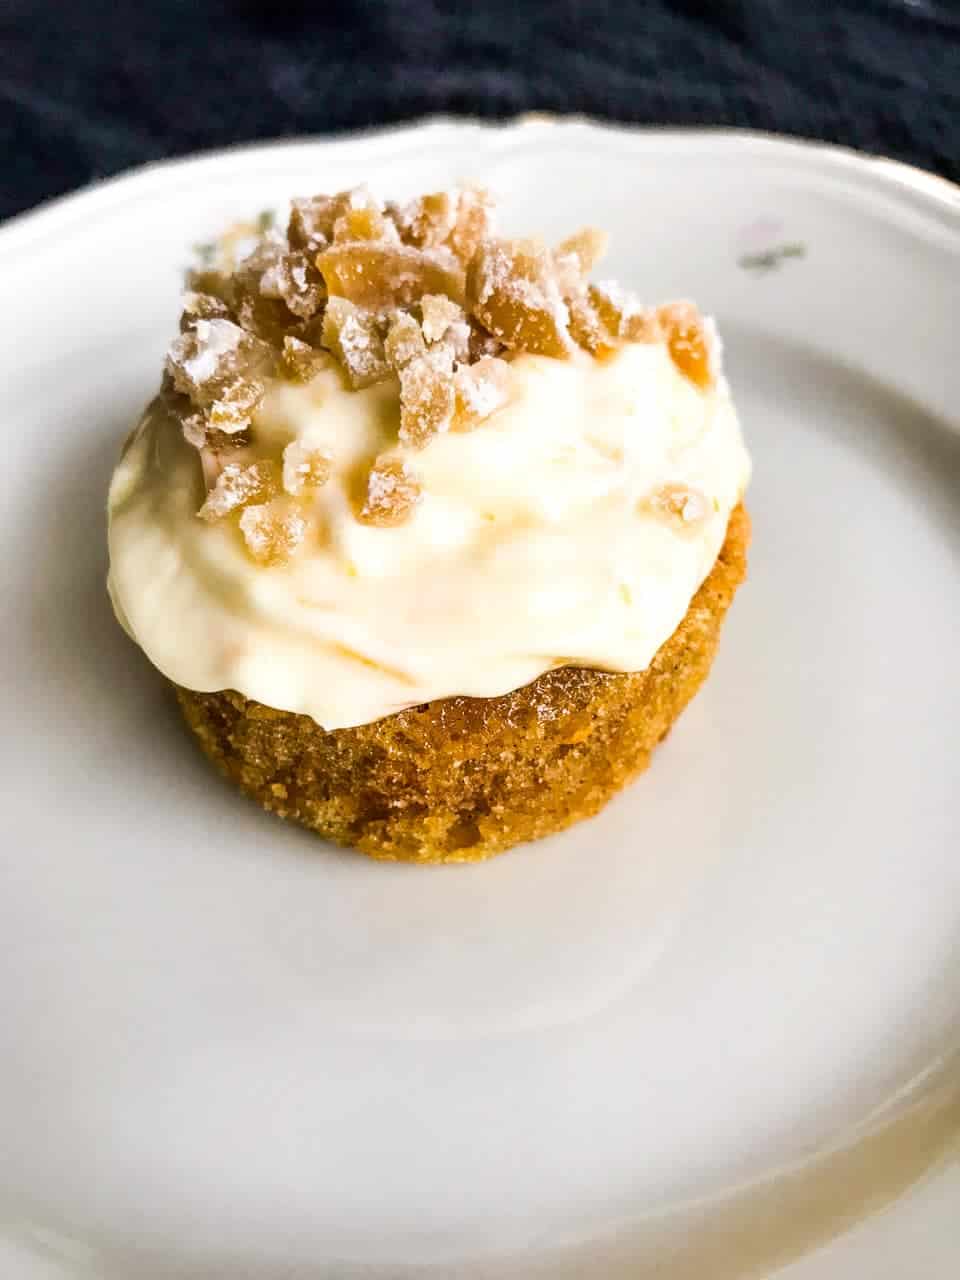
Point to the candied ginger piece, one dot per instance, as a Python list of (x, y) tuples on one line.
[(272, 531), (238, 486), (199, 354), (404, 340), (683, 507), (392, 493), (481, 389), (513, 293), (375, 274), (360, 221), (202, 306), (687, 341), (473, 223), (310, 227), (624, 314), (317, 221), (352, 334), (427, 221), (304, 468), (641, 326), (427, 398), (438, 313), (301, 361), (258, 283), (587, 328), (211, 355), (294, 280), (237, 403), (575, 257)]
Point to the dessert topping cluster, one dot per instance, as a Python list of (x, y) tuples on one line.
[(424, 293)]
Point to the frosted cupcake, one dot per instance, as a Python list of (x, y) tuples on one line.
[(433, 537)]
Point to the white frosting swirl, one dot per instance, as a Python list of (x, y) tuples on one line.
[(533, 544)]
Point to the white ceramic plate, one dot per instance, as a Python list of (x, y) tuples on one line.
[(699, 1035)]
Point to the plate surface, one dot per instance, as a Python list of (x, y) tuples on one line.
[(701, 1034)]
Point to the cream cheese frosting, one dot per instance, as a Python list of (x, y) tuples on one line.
[(535, 542)]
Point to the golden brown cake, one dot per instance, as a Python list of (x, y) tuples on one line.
[(433, 535), (463, 778)]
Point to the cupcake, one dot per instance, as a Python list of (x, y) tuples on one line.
[(432, 535)]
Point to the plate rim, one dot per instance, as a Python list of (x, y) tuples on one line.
[(932, 191)]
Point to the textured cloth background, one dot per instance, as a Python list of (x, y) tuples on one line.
[(90, 87)]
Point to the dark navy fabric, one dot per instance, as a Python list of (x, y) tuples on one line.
[(90, 87)]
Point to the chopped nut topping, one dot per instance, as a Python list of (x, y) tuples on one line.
[(272, 531), (392, 493), (237, 486), (304, 468)]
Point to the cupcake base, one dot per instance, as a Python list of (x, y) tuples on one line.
[(460, 779)]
